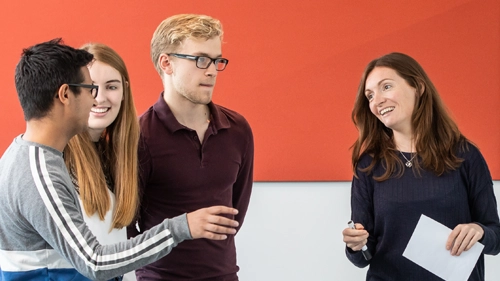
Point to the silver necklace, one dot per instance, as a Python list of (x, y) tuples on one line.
[(408, 162)]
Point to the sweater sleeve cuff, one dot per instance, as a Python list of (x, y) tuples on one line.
[(356, 257), (179, 228)]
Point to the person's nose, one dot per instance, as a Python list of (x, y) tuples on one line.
[(378, 98), (101, 96), (211, 70)]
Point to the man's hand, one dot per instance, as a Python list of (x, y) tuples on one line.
[(208, 223), (463, 237)]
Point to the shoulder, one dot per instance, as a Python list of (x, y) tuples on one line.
[(363, 178), (159, 105), (234, 118), (30, 155), (233, 127), (230, 113), (469, 151), (38, 167), (146, 115), (52, 164), (471, 155), (148, 122), (365, 160)]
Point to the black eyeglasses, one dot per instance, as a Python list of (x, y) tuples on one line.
[(203, 62), (94, 89)]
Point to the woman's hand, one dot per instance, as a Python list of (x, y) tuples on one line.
[(463, 237), (355, 238)]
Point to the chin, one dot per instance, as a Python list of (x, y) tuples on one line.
[(388, 125), (204, 101)]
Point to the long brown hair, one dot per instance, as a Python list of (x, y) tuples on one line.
[(117, 154), (436, 135)]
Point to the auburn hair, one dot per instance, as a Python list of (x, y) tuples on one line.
[(114, 156)]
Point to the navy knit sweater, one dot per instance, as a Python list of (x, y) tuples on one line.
[(390, 210)]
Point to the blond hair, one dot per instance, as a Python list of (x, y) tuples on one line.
[(115, 156), (174, 30)]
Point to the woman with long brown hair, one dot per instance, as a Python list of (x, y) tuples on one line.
[(410, 159)]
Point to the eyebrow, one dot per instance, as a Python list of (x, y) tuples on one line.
[(206, 55), (109, 81), (379, 82)]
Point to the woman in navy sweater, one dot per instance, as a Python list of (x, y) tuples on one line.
[(410, 159)]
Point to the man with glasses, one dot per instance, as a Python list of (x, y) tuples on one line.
[(93, 88), (43, 235), (192, 152)]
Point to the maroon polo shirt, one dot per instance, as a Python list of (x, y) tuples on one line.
[(179, 175)]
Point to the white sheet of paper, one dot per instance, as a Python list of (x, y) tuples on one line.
[(427, 248)]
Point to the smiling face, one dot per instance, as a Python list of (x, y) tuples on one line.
[(108, 100), (190, 82), (391, 98)]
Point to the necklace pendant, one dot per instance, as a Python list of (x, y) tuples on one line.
[(408, 163)]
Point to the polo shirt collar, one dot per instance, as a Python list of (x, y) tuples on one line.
[(218, 119)]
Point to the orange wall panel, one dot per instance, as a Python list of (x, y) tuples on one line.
[(294, 67)]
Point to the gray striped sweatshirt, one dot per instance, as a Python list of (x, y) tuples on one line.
[(42, 232)]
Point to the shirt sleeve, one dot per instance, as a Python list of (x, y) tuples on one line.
[(482, 201), (242, 188), (362, 212)]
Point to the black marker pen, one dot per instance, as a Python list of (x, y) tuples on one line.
[(364, 250)]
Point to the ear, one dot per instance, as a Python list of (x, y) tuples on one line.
[(63, 93), (422, 88), (165, 64), (421, 85), (126, 86)]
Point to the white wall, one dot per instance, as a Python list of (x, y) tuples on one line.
[(293, 232)]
